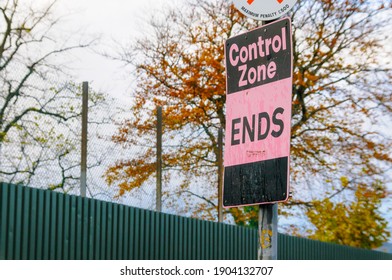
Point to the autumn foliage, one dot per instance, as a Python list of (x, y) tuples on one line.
[(341, 92), (345, 222)]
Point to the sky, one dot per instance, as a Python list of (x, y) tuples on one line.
[(114, 21)]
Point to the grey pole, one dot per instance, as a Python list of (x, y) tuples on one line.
[(159, 161), (83, 163), (268, 232)]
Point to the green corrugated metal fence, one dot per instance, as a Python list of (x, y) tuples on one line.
[(296, 248), (40, 224)]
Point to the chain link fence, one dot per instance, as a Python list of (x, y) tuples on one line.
[(43, 149)]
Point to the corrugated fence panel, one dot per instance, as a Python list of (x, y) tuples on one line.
[(40, 224), (296, 248)]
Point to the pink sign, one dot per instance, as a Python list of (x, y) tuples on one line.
[(258, 115)]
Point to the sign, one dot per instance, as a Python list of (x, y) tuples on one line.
[(258, 115), (264, 9)]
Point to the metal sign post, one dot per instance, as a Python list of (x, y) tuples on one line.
[(268, 232)]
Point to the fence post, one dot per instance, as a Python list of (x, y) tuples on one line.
[(159, 161), (83, 163), (220, 175)]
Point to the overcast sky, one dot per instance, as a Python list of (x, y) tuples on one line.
[(114, 21)]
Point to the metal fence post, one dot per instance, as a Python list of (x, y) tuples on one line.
[(83, 163), (159, 161), (220, 175)]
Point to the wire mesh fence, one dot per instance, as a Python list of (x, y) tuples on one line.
[(43, 150)]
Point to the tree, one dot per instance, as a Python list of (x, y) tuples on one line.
[(341, 89), (39, 107), (356, 224)]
